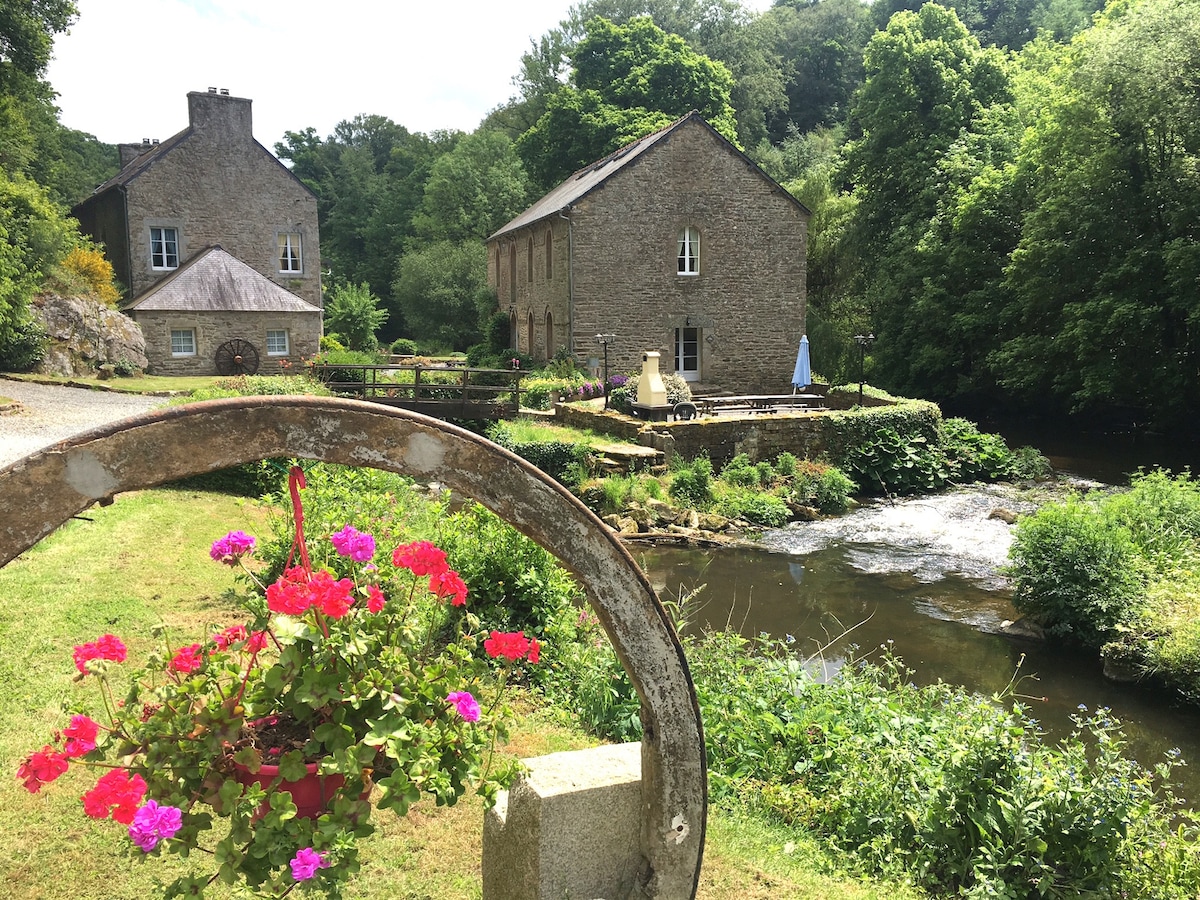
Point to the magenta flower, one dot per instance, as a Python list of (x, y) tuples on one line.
[(153, 823), (351, 542), (466, 705), (306, 862), (232, 547)]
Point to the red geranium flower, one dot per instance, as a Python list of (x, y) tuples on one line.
[(420, 557), (41, 767), (116, 793)]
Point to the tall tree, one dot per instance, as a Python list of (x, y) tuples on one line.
[(927, 85), (443, 293), (821, 47), (472, 190), (627, 81), (1107, 274)]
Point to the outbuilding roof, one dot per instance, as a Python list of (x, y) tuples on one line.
[(216, 281)]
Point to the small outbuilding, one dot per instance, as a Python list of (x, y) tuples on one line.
[(217, 314)]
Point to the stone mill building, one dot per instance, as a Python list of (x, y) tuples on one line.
[(217, 243), (677, 243)]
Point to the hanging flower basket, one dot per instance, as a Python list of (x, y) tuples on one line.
[(345, 654)]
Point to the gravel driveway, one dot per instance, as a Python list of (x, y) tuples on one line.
[(50, 413)]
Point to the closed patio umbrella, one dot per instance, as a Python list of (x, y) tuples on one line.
[(802, 375)]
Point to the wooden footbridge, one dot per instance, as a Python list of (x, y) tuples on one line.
[(442, 391)]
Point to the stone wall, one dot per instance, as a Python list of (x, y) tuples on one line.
[(85, 334), (214, 328), (761, 437)]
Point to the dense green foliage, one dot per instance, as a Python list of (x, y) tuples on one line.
[(1117, 572), (353, 312), (956, 793), (562, 460)]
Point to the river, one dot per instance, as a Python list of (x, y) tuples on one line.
[(921, 578)]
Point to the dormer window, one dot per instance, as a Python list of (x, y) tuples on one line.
[(689, 251), (291, 261), (164, 248)]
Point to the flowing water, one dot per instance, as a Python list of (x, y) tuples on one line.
[(919, 577)]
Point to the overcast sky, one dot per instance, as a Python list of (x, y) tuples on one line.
[(123, 71)]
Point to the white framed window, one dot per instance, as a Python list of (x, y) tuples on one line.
[(164, 248), (291, 259), (689, 251), (183, 341), (277, 342)]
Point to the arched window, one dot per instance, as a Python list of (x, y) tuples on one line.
[(530, 332), (512, 330), (689, 251), (529, 259), (497, 269), (549, 254), (549, 335), (512, 272)]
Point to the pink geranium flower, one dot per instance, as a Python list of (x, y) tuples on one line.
[(420, 557), (351, 542), (41, 767), (107, 646), (449, 584), (116, 793), (306, 862), (187, 659), (153, 823), (232, 547), (80, 736), (466, 705)]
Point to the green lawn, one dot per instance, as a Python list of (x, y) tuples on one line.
[(145, 384)]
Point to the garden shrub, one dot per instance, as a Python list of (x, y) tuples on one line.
[(1075, 571), (24, 348), (756, 507), (889, 462), (404, 347), (691, 482), (953, 792), (740, 472), (87, 268), (1162, 515), (331, 341), (514, 584), (561, 460), (351, 380), (826, 487), (972, 455)]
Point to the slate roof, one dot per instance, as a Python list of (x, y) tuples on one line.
[(216, 281), (594, 175)]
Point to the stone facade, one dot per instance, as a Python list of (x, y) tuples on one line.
[(214, 184), (604, 258), (214, 327), (210, 185)]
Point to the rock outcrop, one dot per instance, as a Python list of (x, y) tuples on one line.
[(85, 335)]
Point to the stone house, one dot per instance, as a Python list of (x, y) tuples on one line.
[(212, 185), (676, 243)]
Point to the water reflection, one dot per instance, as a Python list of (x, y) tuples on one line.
[(939, 610)]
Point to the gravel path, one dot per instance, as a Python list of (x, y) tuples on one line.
[(50, 413)]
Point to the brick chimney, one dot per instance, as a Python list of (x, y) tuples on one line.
[(213, 112)]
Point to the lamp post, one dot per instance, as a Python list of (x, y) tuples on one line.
[(864, 342), (605, 340)]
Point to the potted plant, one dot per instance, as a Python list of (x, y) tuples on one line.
[(267, 746)]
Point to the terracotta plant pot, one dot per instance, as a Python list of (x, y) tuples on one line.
[(311, 794)]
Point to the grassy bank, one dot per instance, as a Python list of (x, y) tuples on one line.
[(144, 561)]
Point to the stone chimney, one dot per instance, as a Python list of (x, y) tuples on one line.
[(226, 119), (130, 152)]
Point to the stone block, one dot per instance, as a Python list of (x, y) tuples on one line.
[(569, 829)]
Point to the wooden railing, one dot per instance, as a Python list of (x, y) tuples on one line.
[(440, 391)]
